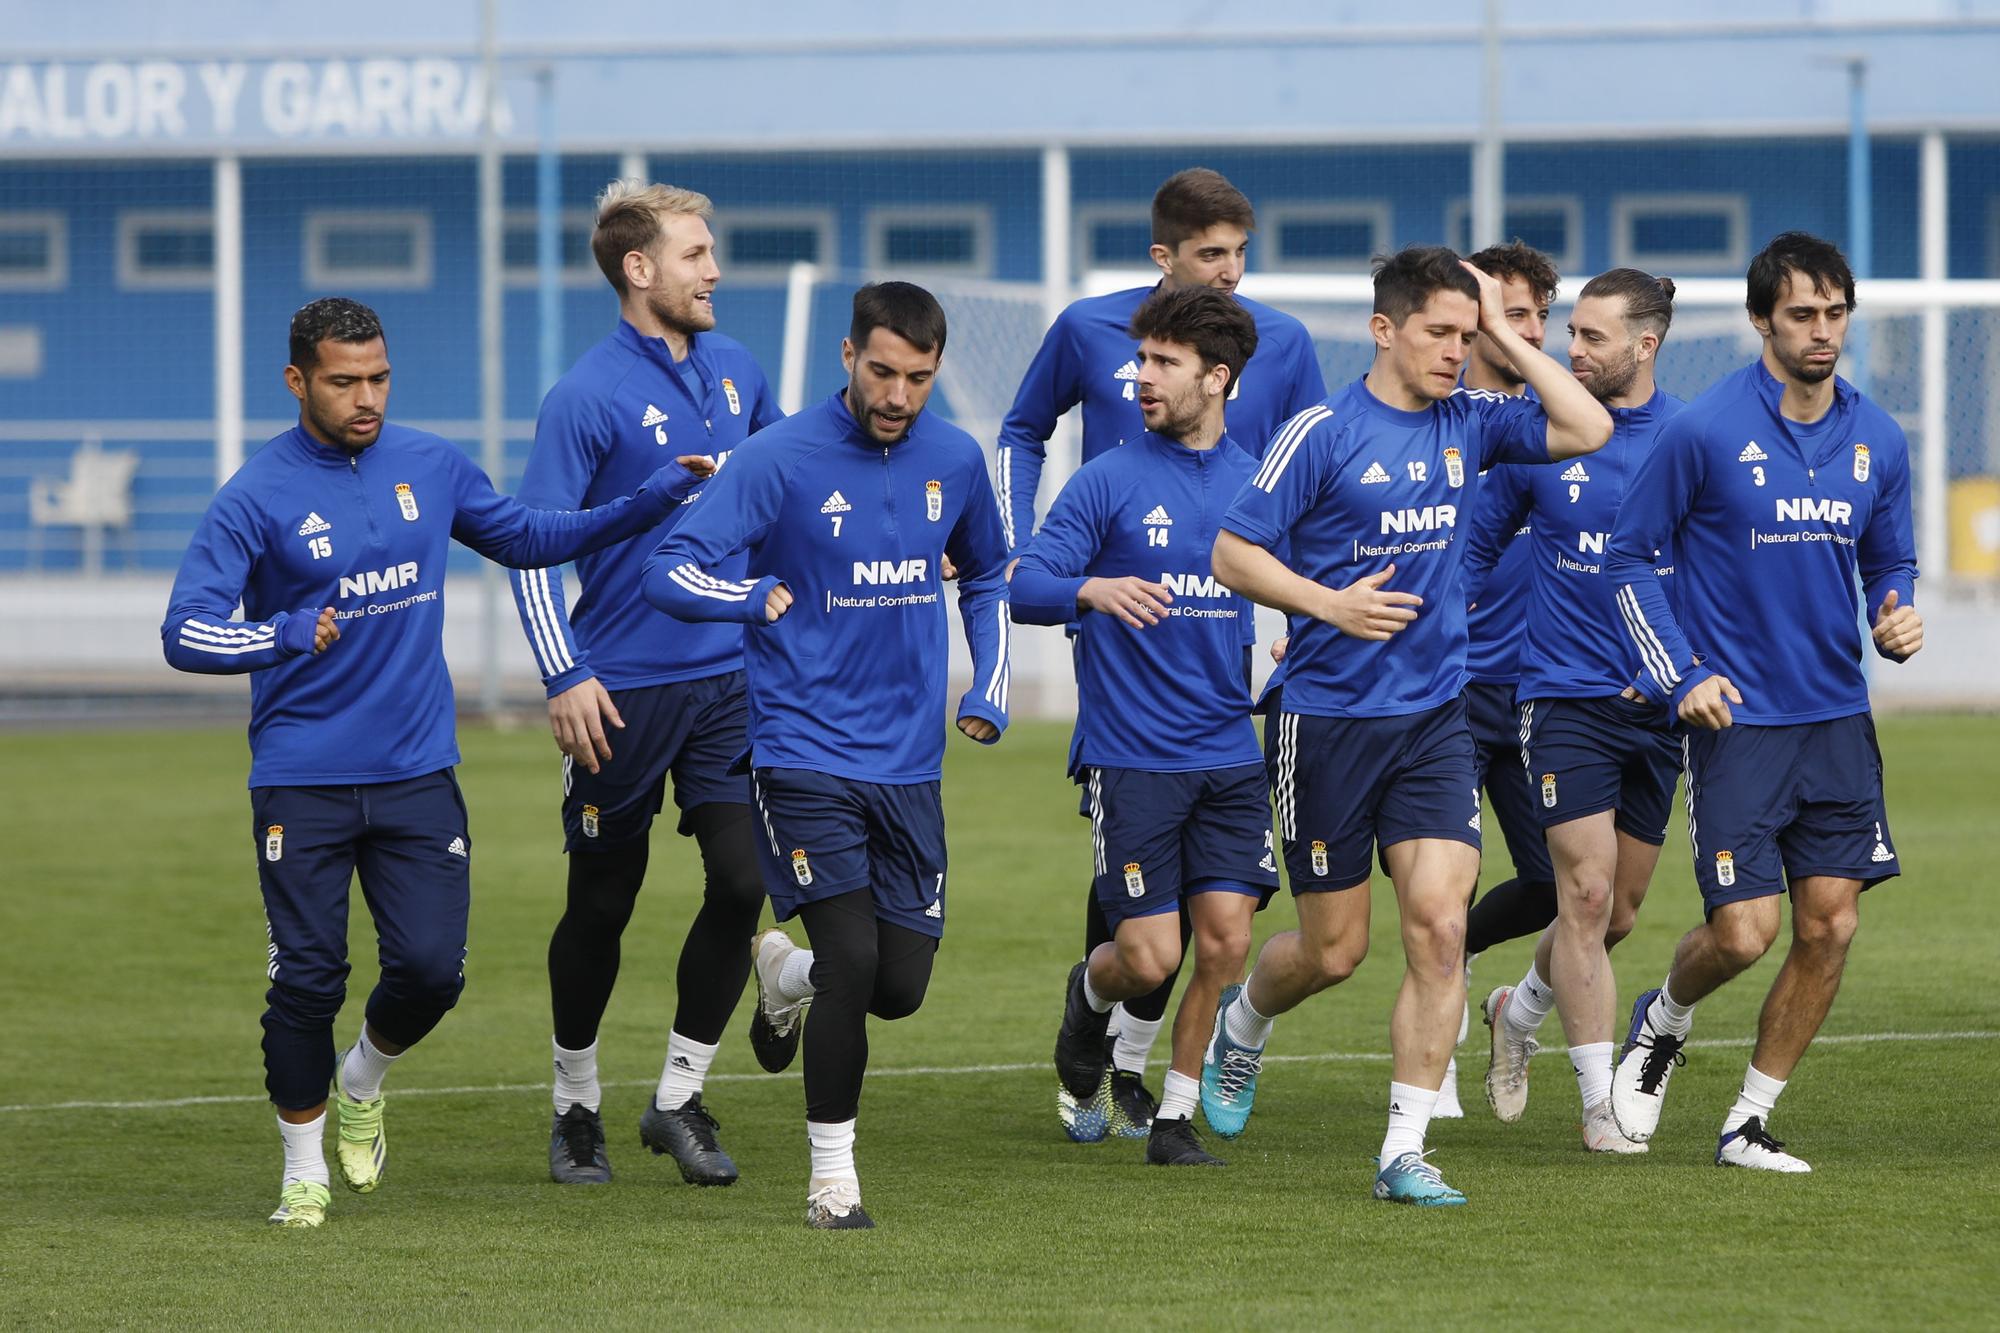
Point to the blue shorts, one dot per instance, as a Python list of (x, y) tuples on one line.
[(1586, 756), (1155, 836), (1496, 738), (1345, 786), (1771, 804), (695, 729), (825, 836)]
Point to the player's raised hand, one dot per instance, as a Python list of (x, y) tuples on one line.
[(700, 464), (326, 631), (1364, 610), (1492, 301), (1899, 630), (1707, 704), (978, 728), (576, 719), (776, 603), (1131, 599)]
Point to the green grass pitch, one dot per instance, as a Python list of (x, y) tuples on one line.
[(131, 972)]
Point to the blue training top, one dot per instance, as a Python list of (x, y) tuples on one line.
[(851, 681), (305, 525), (623, 409), (1173, 697), (1770, 523)]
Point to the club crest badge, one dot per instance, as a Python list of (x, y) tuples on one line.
[(1319, 857), (802, 870), (735, 402), (274, 843), (1725, 868), (1135, 882), (1861, 462), (406, 500), (590, 824), (1548, 791), (933, 501), (1454, 467)]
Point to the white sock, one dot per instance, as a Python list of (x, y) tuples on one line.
[(305, 1151), (1759, 1097), (1530, 1004), (1098, 1004), (576, 1077), (832, 1151), (1592, 1064), (1246, 1027), (1177, 1097), (1135, 1041), (686, 1069), (1409, 1116), (362, 1071), (1669, 1015), (795, 977)]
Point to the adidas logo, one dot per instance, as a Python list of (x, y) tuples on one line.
[(314, 524), (1267, 863), (1881, 853), (1576, 472), (1128, 371), (1158, 518), (681, 1062), (835, 504), (1376, 475), (1752, 454), (936, 910), (654, 416), (457, 847)]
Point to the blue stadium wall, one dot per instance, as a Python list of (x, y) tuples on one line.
[(116, 359)]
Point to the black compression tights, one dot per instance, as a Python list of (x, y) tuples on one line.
[(1152, 1006), (715, 960), (1509, 911), (861, 966)]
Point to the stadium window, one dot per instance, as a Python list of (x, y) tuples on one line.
[(368, 249), (1324, 238), (520, 242), (34, 251), (166, 250), (1551, 223), (1666, 233), (20, 351), (955, 241), (1112, 236), (765, 243)]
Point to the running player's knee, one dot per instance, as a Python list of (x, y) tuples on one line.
[(1589, 902), (604, 886), (900, 988), (1742, 938), (735, 885), (304, 1009), (1336, 959), (1622, 921), (1830, 930), (1150, 962), (429, 979), (1221, 951)]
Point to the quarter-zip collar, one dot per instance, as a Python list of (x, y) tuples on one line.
[(302, 442), (1828, 434)]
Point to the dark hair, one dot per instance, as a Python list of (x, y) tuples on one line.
[(330, 319), (1649, 301), (1797, 252), (903, 308), (1219, 329), (1518, 259), (1192, 201), (1406, 280)]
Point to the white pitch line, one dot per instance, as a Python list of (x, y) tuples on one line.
[(937, 1071)]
